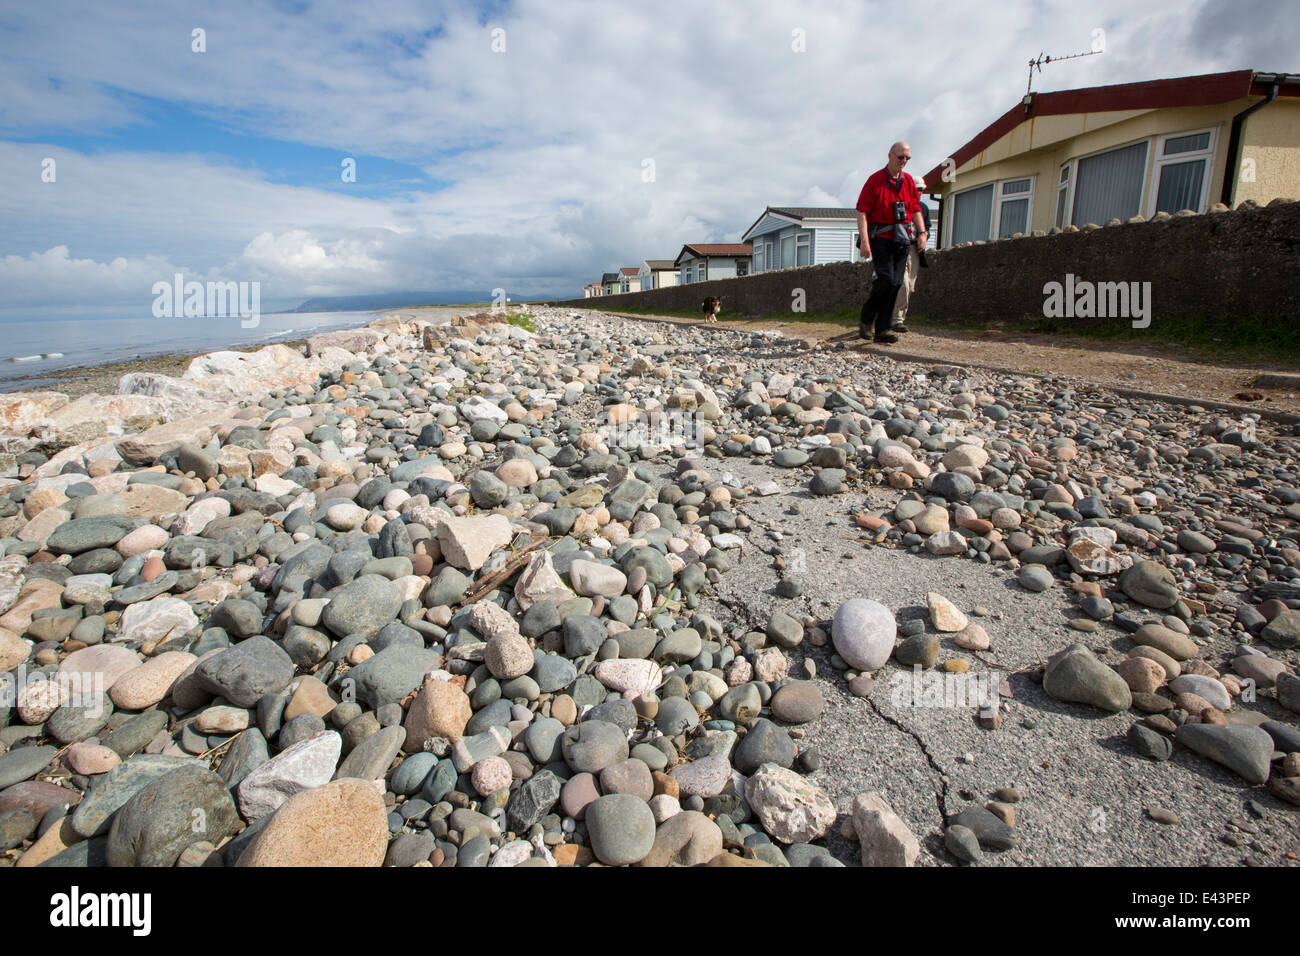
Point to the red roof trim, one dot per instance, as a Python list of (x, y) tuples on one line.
[(721, 248), (1203, 90)]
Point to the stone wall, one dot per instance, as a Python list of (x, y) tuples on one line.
[(1240, 265)]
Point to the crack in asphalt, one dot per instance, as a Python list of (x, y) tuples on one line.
[(940, 793)]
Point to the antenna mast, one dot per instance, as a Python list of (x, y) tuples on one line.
[(1037, 64)]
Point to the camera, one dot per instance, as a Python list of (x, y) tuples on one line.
[(900, 212)]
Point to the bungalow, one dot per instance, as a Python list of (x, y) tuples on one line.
[(788, 236), (700, 262), (591, 290), (658, 274), (609, 283), (629, 279), (1075, 157)]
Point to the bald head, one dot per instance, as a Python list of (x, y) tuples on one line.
[(899, 154)]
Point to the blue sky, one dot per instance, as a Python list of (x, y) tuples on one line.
[(501, 145)]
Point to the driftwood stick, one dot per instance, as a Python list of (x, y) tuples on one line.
[(497, 578)]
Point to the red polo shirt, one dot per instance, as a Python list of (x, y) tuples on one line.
[(881, 192)]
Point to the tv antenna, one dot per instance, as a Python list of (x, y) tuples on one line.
[(1042, 60)]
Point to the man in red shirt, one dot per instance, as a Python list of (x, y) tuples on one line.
[(889, 219)]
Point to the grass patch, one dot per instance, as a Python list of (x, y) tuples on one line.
[(522, 319), (845, 317), (1210, 339)]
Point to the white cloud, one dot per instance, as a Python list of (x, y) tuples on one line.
[(542, 145)]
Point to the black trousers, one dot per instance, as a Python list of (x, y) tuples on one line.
[(890, 260)]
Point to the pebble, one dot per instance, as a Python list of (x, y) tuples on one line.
[(863, 632), (349, 516)]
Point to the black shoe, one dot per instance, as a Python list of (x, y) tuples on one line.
[(899, 327), (886, 338), (864, 331)]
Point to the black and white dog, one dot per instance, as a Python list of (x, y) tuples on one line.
[(712, 306)]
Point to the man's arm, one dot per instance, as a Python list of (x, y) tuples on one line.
[(864, 242), (921, 237)]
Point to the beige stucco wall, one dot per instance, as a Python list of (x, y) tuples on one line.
[(1272, 139), (1040, 147)]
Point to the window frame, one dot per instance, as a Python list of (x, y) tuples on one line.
[(782, 240), (951, 220), (1207, 153), (1064, 194), (803, 239), (1001, 197), (1074, 173)]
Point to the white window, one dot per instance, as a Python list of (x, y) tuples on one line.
[(702, 270), (1063, 198), (787, 252), (1014, 197), (758, 257), (1109, 185), (1181, 178), (972, 213), (803, 249), (742, 267)]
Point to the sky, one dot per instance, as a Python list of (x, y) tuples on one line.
[(523, 146)]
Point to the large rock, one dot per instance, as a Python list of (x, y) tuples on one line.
[(351, 340), (87, 534), (362, 606), (591, 578), (246, 671), (539, 581), (306, 765), (440, 709), (156, 621), (13, 651), (147, 446), (109, 793), (1075, 675), (621, 828), (97, 667), (688, 838), (863, 632), (1089, 551), (23, 763), (392, 674), (1150, 584), (343, 823), (173, 812), (370, 759), (1243, 749), (149, 683), (886, 840), (1178, 646), (1283, 632), (791, 809), (467, 542)]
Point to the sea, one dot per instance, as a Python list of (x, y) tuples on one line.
[(30, 349)]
